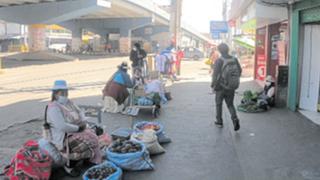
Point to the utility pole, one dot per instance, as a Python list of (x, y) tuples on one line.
[(175, 22), (224, 9), (225, 5)]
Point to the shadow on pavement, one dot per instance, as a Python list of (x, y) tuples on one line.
[(11, 63), (41, 89)]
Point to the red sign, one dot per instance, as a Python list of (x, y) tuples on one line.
[(261, 61), (261, 57)]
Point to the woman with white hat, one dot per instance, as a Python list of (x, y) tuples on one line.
[(267, 96), (68, 129)]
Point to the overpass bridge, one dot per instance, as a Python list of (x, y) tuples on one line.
[(130, 19)]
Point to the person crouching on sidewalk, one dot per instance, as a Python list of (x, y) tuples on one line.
[(115, 92)]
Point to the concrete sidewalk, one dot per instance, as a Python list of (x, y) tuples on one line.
[(276, 145)]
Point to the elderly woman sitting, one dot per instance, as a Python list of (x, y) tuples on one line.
[(115, 92), (69, 132)]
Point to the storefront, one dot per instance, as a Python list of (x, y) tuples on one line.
[(271, 50), (304, 74)]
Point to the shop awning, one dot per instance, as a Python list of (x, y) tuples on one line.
[(245, 42)]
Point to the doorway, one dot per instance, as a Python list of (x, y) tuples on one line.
[(310, 92)]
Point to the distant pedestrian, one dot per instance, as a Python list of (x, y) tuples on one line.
[(180, 55), (137, 55), (225, 80)]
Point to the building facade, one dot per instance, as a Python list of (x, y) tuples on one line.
[(304, 65)]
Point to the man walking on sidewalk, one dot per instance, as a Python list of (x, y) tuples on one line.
[(225, 80)]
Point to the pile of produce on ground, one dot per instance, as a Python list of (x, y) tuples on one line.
[(124, 147), (129, 155), (156, 126), (104, 171), (249, 103), (100, 173)]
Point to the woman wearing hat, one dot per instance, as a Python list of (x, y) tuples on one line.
[(68, 130), (267, 96), (115, 92)]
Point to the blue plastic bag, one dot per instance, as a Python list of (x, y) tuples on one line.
[(137, 161), (115, 176), (144, 101), (162, 138)]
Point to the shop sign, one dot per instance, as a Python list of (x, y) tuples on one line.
[(218, 27)]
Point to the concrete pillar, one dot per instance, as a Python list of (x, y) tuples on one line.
[(125, 41), (76, 39), (97, 45), (1, 70), (124, 25), (125, 45), (37, 37)]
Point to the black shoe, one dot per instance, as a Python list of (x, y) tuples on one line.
[(236, 125), (72, 172), (218, 124)]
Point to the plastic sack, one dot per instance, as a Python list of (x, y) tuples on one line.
[(144, 101), (54, 153), (137, 161), (150, 139), (115, 176), (162, 138)]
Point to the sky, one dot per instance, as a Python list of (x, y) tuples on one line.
[(199, 13)]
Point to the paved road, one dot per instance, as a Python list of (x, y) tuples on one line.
[(25, 89)]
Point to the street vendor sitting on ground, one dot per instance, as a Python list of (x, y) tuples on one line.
[(267, 96), (259, 101), (69, 132), (115, 92), (154, 85)]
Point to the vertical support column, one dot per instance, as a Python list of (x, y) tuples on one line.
[(175, 21), (125, 41), (37, 37), (1, 71), (76, 39), (294, 60)]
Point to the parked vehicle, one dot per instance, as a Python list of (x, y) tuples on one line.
[(193, 53), (61, 48)]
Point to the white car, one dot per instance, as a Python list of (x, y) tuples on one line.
[(58, 47)]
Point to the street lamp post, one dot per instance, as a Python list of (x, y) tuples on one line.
[(175, 22)]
